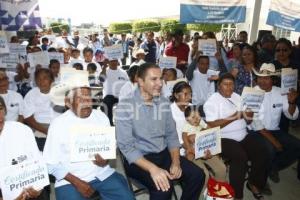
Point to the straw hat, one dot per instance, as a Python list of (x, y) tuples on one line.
[(267, 69), (139, 51)]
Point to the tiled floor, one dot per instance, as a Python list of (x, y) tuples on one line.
[(287, 189)]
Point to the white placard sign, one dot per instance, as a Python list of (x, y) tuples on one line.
[(28, 174), (4, 49), (20, 50), (209, 139), (10, 60), (86, 141), (289, 80), (57, 56), (66, 74), (38, 58), (207, 46), (167, 62), (114, 52), (252, 98)]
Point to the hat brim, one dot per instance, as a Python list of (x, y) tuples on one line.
[(58, 92), (137, 53), (264, 74)]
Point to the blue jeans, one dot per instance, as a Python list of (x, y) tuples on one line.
[(289, 154), (112, 188)]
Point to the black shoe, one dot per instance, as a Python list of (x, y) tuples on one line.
[(257, 195), (267, 190), (274, 176)]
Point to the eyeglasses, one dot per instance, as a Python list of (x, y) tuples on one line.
[(283, 50)]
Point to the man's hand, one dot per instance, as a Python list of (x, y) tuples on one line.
[(248, 115), (160, 178), (84, 188), (213, 78), (32, 193), (22, 196), (175, 170), (278, 145), (100, 161)]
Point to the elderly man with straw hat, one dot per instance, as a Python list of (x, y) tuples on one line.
[(284, 148), (79, 180), (139, 55)]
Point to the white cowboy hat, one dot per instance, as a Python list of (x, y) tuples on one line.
[(69, 80), (139, 51), (267, 69)]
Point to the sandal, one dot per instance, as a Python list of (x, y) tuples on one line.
[(257, 195)]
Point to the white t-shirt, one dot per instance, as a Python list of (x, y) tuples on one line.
[(218, 107), (191, 130), (179, 119), (115, 79), (11, 79), (17, 143), (202, 88), (167, 90), (127, 89), (273, 105), (57, 148), (179, 73), (14, 105), (39, 105)]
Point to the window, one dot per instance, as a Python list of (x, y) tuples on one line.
[(281, 33)]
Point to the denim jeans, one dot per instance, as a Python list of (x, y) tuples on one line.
[(290, 153), (114, 187)]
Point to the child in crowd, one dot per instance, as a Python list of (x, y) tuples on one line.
[(169, 74), (54, 67), (38, 111), (45, 44), (128, 88), (194, 125), (77, 66), (93, 77), (75, 54)]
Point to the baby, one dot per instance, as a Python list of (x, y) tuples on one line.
[(194, 125)]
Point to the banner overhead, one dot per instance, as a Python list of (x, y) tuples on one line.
[(17, 15), (214, 12), (285, 15)]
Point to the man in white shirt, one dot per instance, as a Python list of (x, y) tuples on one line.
[(79, 180), (284, 148), (115, 77), (202, 81)]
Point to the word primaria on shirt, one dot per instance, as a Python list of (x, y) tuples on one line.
[(22, 184), (11, 180), (93, 149)]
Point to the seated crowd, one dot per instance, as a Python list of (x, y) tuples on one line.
[(156, 113)]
